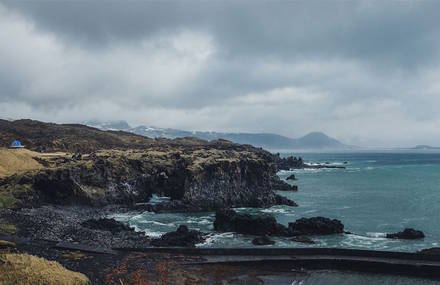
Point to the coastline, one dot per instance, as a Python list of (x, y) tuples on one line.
[(59, 206)]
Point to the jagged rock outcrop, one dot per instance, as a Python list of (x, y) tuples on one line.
[(181, 237), (281, 185), (407, 233), (316, 226), (291, 177), (106, 224), (230, 221), (290, 162), (281, 200)]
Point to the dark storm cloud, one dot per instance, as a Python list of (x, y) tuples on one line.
[(365, 71), (401, 32)]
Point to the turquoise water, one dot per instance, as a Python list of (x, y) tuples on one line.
[(376, 194)]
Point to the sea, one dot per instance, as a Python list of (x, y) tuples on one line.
[(378, 192)]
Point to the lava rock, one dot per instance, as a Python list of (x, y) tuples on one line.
[(281, 185), (281, 200), (291, 177), (407, 233), (106, 224), (287, 163), (231, 221), (263, 240), (181, 237), (315, 226), (303, 239)]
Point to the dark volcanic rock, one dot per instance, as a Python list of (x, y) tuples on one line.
[(65, 224), (281, 200), (316, 226), (303, 239), (407, 233), (291, 177), (290, 162), (181, 237), (281, 185), (263, 240), (105, 224), (231, 221)]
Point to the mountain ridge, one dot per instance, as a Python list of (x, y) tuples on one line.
[(313, 140)]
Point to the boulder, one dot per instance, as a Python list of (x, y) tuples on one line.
[(303, 239), (291, 177), (263, 240), (106, 224), (181, 237), (315, 226), (231, 221), (407, 233)]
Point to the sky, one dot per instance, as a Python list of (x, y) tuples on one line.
[(365, 72)]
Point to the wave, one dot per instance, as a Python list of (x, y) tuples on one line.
[(277, 210)]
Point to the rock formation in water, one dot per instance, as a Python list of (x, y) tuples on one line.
[(316, 226), (407, 233), (181, 237), (230, 221)]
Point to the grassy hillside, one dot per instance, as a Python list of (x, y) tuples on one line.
[(48, 137)]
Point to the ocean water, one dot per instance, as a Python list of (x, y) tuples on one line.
[(377, 193)]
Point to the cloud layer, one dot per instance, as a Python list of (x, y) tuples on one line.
[(365, 72)]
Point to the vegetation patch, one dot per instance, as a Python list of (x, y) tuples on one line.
[(7, 200), (13, 161), (10, 191), (7, 228), (27, 269), (6, 244)]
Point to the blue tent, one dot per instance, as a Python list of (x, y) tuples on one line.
[(16, 144)]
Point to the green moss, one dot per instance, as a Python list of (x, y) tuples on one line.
[(8, 194), (7, 200), (7, 228)]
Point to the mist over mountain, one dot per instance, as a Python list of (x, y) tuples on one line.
[(311, 141)]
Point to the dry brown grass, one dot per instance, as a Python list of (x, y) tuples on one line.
[(27, 269), (6, 244), (17, 160), (13, 161)]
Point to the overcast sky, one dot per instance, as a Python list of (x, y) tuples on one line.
[(365, 72)]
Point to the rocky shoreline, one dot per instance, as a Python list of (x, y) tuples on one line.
[(62, 189)]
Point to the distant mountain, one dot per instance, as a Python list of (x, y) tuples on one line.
[(318, 140), (314, 140), (426, 147), (109, 126)]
